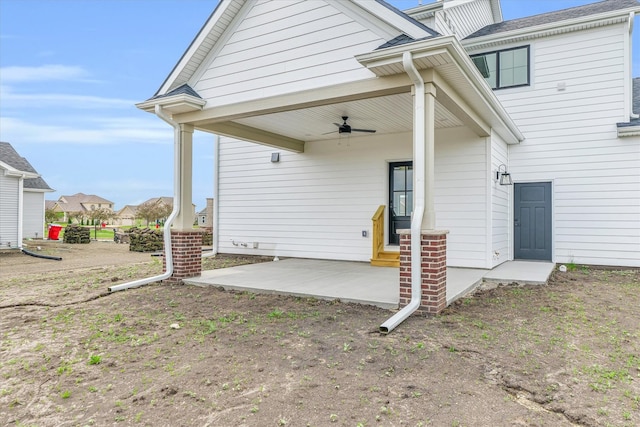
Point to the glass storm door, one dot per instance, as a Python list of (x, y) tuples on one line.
[(400, 199)]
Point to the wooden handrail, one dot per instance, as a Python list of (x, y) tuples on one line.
[(378, 231)]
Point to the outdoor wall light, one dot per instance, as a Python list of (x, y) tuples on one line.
[(503, 176), (275, 157)]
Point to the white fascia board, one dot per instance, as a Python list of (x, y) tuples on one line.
[(175, 104), (454, 49), (387, 15), (195, 44), (425, 10), (11, 171), (536, 31)]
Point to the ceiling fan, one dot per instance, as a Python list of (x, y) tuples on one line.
[(345, 128)]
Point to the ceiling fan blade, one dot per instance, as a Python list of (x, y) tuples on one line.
[(363, 130), (337, 124)]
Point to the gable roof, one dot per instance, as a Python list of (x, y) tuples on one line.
[(557, 16), (10, 157), (75, 202), (225, 14)]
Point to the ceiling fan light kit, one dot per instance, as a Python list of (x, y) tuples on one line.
[(345, 128)]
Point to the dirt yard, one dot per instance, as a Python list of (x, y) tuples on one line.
[(565, 354)]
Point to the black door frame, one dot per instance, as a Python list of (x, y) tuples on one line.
[(399, 222)]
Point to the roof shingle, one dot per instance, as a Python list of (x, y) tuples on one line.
[(557, 16), (11, 157)]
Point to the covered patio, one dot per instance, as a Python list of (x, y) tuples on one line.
[(359, 282)]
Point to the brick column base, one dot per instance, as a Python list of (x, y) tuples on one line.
[(187, 255), (433, 244)]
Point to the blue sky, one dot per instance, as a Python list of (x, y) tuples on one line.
[(72, 70)]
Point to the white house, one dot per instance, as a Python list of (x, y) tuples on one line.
[(21, 199), (461, 103)]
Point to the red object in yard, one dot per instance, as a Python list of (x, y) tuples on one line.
[(54, 231), (103, 225)]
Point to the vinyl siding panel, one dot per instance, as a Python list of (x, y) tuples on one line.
[(501, 202), (9, 210), (283, 47), (467, 18), (461, 197), (571, 139), (33, 215), (316, 204)]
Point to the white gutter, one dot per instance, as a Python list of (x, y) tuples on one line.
[(418, 194), (168, 253), (216, 175)]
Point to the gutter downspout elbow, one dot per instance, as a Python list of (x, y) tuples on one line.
[(168, 252), (419, 149)]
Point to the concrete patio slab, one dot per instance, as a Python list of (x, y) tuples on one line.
[(357, 282), (521, 273)]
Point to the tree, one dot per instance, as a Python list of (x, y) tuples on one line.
[(154, 210), (164, 210), (77, 215), (147, 211), (50, 215), (98, 216)]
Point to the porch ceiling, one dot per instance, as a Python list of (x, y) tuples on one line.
[(383, 103), (387, 115)]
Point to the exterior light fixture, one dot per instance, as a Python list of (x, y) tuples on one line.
[(503, 176), (275, 157)]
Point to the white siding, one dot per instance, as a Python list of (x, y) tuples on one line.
[(465, 19), (571, 140), (316, 204), (461, 197), (33, 215), (283, 47), (500, 204), (9, 210)]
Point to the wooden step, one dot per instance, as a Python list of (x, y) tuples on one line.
[(386, 259)]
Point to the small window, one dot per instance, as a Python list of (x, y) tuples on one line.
[(504, 68)]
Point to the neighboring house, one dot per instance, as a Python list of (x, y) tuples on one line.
[(205, 216), (126, 215), (22, 202), (461, 102), (129, 214), (80, 205)]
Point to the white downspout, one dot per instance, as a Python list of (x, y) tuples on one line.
[(633, 114), (216, 176), (419, 196), (168, 253)]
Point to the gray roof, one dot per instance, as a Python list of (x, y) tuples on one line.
[(560, 15), (400, 40), (408, 18), (11, 157), (403, 38), (636, 105), (185, 89)]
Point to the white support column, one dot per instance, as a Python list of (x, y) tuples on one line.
[(184, 220), (429, 218)]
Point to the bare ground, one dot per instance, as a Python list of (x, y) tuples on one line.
[(71, 354)]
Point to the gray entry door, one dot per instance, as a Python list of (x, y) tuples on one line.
[(532, 221)]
